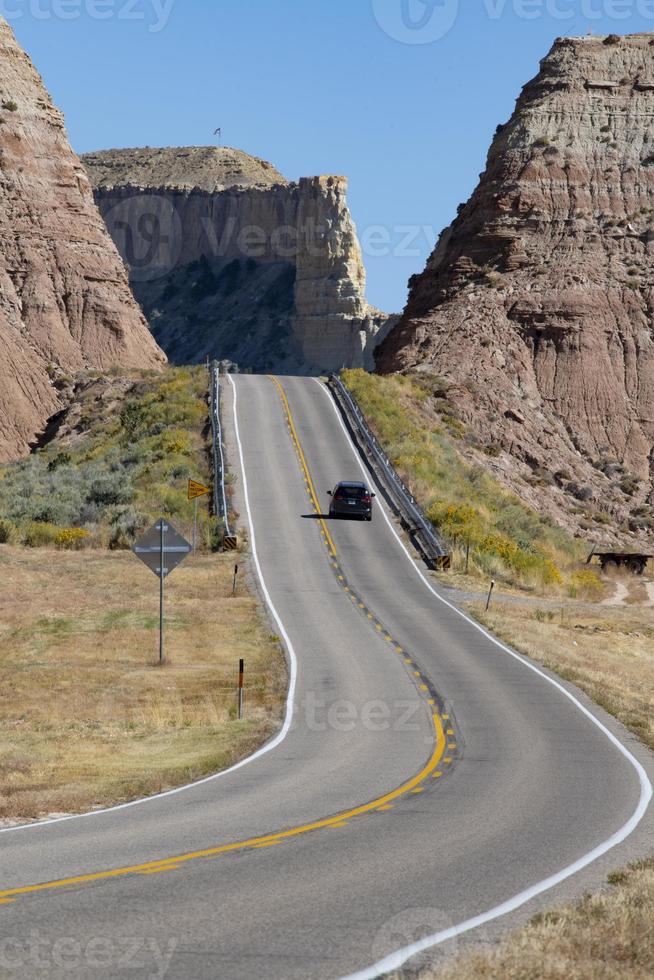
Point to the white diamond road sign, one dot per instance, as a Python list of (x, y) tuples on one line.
[(149, 548)]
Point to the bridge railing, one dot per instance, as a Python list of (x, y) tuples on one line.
[(422, 532)]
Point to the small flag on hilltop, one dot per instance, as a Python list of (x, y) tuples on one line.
[(219, 133)]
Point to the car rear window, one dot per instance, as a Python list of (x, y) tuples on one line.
[(353, 492)]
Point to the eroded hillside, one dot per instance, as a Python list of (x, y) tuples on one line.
[(536, 309)]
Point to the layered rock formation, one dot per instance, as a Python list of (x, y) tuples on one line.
[(65, 302), (537, 306), (242, 265)]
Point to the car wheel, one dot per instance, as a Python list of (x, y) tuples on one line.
[(369, 517)]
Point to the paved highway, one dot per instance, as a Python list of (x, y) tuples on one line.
[(426, 779)]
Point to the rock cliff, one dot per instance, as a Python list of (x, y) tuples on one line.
[(65, 302), (229, 260), (537, 306)]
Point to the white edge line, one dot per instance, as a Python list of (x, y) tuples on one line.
[(269, 746), (396, 959)]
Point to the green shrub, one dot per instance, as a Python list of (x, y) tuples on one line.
[(121, 472), (38, 535), (7, 532), (61, 459), (109, 488), (10, 105), (629, 485), (132, 419)]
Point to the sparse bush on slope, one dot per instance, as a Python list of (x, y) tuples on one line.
[(507, 539), (118, 470)]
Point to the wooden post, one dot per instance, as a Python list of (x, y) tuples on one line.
[(241, 671)]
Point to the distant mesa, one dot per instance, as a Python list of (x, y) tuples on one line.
[(208, 168), (231, 261)]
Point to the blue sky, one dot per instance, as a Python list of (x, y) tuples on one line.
[(402, 96)]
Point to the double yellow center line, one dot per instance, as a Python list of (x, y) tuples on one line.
[(381, 804), (311, 490)]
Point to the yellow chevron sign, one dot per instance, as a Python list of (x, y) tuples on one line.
[(196, 490)]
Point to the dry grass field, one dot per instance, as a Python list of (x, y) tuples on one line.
[(87, 717), (606, 651), (607, 936)]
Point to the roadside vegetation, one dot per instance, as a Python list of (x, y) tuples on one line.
[(87, 718), (506, 540), (607, 651), (122, 457), (606, 936)]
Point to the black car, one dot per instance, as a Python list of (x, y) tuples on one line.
[(351, 498)]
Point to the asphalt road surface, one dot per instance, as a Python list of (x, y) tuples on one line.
[(425, 776)]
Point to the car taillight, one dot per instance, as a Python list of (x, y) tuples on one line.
[(367, 499), (339, 496)]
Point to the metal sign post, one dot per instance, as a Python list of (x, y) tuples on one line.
[(162, 549)]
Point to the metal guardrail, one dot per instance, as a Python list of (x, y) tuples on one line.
[(417, 524), (220, 507)]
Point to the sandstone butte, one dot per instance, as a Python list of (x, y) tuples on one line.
[(228, 259), (536, 307), (65, 301)]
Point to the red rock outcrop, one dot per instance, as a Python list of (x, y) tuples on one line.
[(537, 304), (65, 302)]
